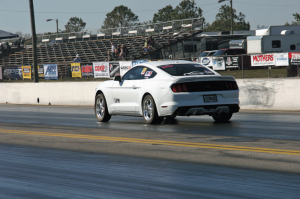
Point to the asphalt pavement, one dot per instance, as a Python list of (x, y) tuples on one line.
[(63, 152)]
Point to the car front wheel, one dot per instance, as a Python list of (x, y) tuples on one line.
[(222, 117), (149, 111), (100, 107)]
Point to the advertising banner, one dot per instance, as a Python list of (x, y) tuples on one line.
[(125, 66), (263, 60), (114, 69), (26, 72), (134, 63), (87, 71), (41, 71), (231, 62), (75, 69), (218, 63), (12, 72), (295, 58), (281, 59), (1, 77), (50, 71), (101, 69), (206, 61)]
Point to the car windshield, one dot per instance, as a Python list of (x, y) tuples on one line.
[(186, 69), (203, 54), (219, 52)]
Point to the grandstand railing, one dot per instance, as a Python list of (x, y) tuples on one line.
[(145, 29)]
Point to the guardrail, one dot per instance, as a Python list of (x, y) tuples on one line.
[(125, 31)]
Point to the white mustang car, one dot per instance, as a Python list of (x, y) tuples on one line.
[(159, 89)]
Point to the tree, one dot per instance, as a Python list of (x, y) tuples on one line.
[(185, 10), (164, 14), (223, 21), (19, 33), (297, 22), (120, 16), (75, 24)]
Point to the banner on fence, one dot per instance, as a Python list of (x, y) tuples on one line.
[(41, 71), (75, 69), (12, 72), (281, 59), (26, 72), (263, 60), (50, 71), (101, 69), (134, 63), (114, 69), (231, 62), (206, 61), (218, 63), (87, 71), (295, 58), (125, 66)]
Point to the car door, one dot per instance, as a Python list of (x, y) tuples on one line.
[(125, 92)]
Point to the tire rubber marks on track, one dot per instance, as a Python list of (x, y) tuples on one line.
[(157, 142)]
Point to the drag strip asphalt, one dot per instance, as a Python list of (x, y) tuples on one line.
[(253, 139)]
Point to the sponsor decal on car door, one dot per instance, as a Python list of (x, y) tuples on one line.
[(125, 96)]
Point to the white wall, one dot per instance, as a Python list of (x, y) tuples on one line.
[(269, 94), (56, 93)]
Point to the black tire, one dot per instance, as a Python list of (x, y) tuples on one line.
[(150, 112), (100, 108), (222, 117)]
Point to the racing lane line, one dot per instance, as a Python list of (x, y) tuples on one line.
[(161, 142)]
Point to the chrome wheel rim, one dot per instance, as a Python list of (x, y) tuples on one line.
[(148, 110), (100, 109)]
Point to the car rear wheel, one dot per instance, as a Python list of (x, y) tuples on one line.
[(100, 107), (150, 112), (222, 117)]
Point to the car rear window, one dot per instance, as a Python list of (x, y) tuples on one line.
[(203, 54), (186, 69), (219, 52)]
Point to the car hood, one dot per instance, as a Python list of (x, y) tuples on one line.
[(198, 78)]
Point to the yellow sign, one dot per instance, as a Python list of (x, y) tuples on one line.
[(26, 72), (75, 68)]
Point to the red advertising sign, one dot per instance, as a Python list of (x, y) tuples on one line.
[(295, 58), (263, 60), (100, 68), (87, 71)]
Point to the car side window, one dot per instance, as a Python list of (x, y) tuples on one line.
[(139, 72), (147, 73), (133, 74)]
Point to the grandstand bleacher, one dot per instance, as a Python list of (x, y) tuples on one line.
[(96, 50)]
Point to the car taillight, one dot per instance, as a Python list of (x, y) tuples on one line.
[(179, 88), (231, 86)]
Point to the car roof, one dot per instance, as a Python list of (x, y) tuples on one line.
[(166, 62)]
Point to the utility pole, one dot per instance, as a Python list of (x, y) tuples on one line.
[(34, 51), (231, 12), (56, 25)]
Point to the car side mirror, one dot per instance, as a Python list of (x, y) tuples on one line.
[(118, 78)]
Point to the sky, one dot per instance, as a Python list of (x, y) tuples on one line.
[(15, 16)]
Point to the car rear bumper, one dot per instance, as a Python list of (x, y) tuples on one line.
[(206, 110)]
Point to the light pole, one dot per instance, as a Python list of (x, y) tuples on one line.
[(36, 74), (56, 23), (231, 13)]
